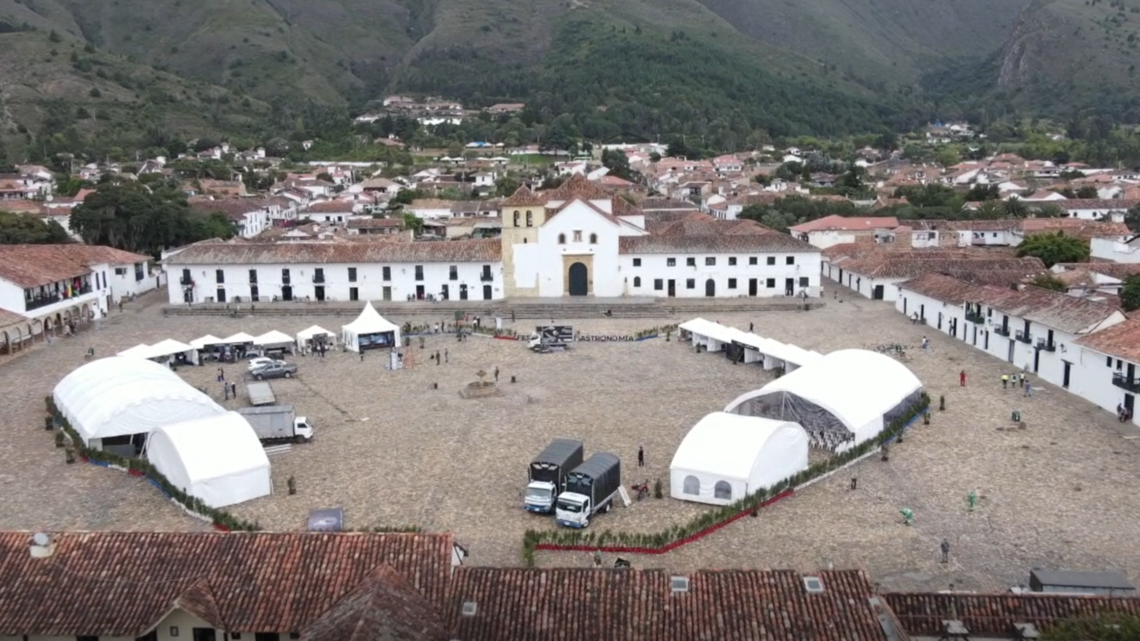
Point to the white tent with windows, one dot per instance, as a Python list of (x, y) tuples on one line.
[(117, 397), (841, 399), (170, 349), (240, 338), (726, 456), (370, 330), (217, 459)]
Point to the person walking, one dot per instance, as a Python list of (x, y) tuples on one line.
[(640, 456), (925, 343), (597, 558), (438, 360), (1005, 381), (749, 328), (962, 378), (1028, 388), (221, 375), (512, 315), (496, 373), (945, 548), (361, 354), (233, 390), (446, 358)]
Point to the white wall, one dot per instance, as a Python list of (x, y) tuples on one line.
[(1091, 378), (940, 316), (826, 238), (126, 284), (1118, 252), (579, 217), (655, 267), (370, 282)]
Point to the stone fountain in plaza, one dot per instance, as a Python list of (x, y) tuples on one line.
[(481, 388)]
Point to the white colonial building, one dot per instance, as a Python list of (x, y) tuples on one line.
[(1106, 367), (577, 240), (57, 286)]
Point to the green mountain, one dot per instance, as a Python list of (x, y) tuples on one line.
[(726, 70)]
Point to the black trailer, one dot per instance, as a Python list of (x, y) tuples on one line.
[(1069, 582), (554, 462)]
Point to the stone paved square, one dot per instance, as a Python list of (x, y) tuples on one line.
[(392, 451)]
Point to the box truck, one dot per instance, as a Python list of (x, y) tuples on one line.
[(547, 474), (590, 488), (278, 423)]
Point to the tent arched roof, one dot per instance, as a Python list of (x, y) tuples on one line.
[(217, 458), (117, 396), (728, 444), (370, 322), (315, 330), (273, 337), (856, 386)]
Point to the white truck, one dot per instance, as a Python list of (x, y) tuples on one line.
[(590, 488), (260, 393), (278, 423), (547, 474)]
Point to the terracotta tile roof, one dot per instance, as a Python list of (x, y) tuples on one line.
[(912, 264), (638, 605), (34, 265), (383, 607), (940, 287), (1075, 227), (122, 583), (1113, 270), (713, 244), (237, 208), (1049, 308), (576, 186), (622, 207), (21, 206), (524, 197), (430, 203), (1117, 204), (994, 615), (847, 223), (328, 207), (11, 318), (460, 251), (373, 223), (1121, 341)]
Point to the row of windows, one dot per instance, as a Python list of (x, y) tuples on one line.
[(529, 219), (710, 261), (691, 283), (578, 238), (319, 274), (692, 485)]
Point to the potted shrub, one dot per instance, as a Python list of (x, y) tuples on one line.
[(59, 439), (657, 491)]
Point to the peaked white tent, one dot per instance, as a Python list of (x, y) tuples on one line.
[(121, 396), (726, 456), (370, 330), (137, 351), (209, 340), (841, 399), (171, 347), (314, 331), (273, 339), (217, 459), (239, 338)]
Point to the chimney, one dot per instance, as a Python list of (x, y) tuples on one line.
[(42, 545)]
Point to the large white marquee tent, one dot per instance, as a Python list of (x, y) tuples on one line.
[(217, 459), (120, 396), (842, 399), (726, 456), (370, 330)]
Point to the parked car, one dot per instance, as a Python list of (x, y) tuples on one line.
[(276, 369), (258, 362)]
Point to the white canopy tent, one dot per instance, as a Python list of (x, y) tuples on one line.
[(136, 351), (117, 397), (217, 459), (841, 399), (713, 336), (726, 456), (310, 333), (240, 338), (274, 339), (370, 330), (170, 348), (209, 340)]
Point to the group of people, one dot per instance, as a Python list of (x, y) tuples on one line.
[(1016, 380)]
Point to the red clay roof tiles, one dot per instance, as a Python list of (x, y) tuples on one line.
[(34, 265), (122, 583), (994, 615), (460, 251)]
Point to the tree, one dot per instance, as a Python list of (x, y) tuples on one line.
[(414, 223), (1132, 219), (506, 185), (1050, 282), (618, 163), (22, 229), (1130, 293), (1107, 627), (1087, 192), (1054, 248), (1014, 208)]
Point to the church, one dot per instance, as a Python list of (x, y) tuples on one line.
[(577, 240)]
